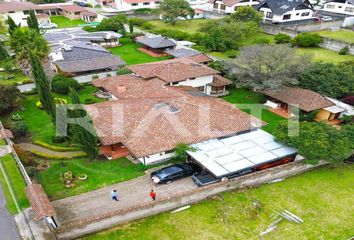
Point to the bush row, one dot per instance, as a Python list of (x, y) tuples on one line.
[(55, 148)]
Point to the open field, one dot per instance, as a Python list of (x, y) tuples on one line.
[(341, 35), (17, 183), (324, 55), (323, 198), (64, 22), (131, 55), (241, 96), (189, 26)]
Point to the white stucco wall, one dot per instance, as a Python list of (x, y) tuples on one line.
[(342, 8), (156, 158), (18, 17), (231, 9)]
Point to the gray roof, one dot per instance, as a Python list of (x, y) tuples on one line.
[(279, 7), (82, 57), (156, 42), (183, 52)]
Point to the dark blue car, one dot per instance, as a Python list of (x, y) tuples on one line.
[(173, 172)]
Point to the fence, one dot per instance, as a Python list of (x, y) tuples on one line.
[(85, 226)]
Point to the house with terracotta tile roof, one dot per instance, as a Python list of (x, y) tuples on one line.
[(147, 118), (283, 99), (18, 11), (184, 72), (230, 6)]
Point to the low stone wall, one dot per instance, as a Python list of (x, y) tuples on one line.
[(94, 224)]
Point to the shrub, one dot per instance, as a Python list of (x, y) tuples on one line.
[(90, 29), (307, 40), (137, 21), (123, 71), (89, 101), (196, 38), (175, 34), (26, 157), (20, 129), (282, 38), (147, 26), (347, 119), (56, 157), (60, 101), (95, 77), (57, 139), (89, 5), (108, 75), (261, 41), (62, 84), (55, 148), (231, 53), (344, 51)]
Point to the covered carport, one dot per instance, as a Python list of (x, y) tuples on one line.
[(244, 153)]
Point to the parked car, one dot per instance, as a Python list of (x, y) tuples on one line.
[(173, 172), (326, 18), (204, 178), (81, 4), (47, 26)]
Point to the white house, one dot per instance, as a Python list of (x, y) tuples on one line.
[(18, 11), (280, 11), (345, 7), (230, 6)]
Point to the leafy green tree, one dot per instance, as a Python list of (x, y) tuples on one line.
[(12, 26), (307, 40), (10, 97), (317, 141), (3, 53), (329, 79), (32, 21), (84, 136), (131, 26), (43, 86), (270, 66), (115, 24), (172, 9), (246, 14), (24, 39), (282, 38)]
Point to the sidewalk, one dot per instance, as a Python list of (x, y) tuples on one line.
[(130, 193)]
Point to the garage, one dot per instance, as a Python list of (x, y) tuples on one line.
[(241, 154)]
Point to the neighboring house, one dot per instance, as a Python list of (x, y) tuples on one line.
[(336, 111), (43, 18), (230, 6), (104, 38), (281, 11), (18, 11), (342, 7), (71, 11), (78, 58), (184, 72), (148, 119), (191, 54), (283, 99), (155, 46)]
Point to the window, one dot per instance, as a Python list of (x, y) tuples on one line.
[(222, 7), (304, 14), (349, 9), (134, 4), (157, 2), (12, 12), (146, 3), (26, 12), (330, 6), (286, 16), (269, 15), (216, 6), (297, 14), (340, 6)]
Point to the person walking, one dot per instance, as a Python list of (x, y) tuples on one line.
[(153, 194), (114, 195)]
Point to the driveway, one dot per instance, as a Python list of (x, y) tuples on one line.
[(130, 193), (8, 228)]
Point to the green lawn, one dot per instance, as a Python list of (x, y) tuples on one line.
[(18, 77), (17, 183), (189, 26), (100, 173), (323, 198), (324, 55), (64, 22), (131, 55), (38, 121), (342, 35), (241, 96)]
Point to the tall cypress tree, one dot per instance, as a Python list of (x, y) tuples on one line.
[(85, 137), (43, 86), (11, 25), (3, 53), (32, 21)]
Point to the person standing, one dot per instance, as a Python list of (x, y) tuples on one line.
[(114, 195), (152, 194)]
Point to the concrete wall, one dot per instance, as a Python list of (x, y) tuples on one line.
[(94, 224)]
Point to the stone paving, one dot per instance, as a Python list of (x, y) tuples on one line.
[(130, 193)]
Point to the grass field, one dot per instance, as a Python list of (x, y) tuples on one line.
[(323, 198), (131, 55), (189, 26), (17, 183), (241, 96), (64, 22), (324, 55), (18, 77), (100, 173), (342, 35)]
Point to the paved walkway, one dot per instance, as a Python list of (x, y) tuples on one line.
[(8, 228), (32, 147), (130, 193)]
